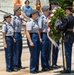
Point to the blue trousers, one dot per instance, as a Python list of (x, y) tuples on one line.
[(34, 52), (45, 51), (68, 51), (9, 53), (55, 55), (17, 49)]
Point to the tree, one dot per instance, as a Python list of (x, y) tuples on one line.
[(63, 3)]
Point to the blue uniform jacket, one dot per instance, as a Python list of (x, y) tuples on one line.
[(68, 24)]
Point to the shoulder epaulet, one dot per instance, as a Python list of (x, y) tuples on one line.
[(29, 20), (42, 17), (67, 18), (14, 18), (4, 22)]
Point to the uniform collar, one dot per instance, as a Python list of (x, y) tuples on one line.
[(69, 14), (7, 23), (17, 16), (31, 19), (44, 16)]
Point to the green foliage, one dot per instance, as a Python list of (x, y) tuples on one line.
[(64, 3), (55, 33)]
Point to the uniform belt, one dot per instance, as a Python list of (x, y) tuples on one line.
[(34, 33), (69, 29), (10, 36), (17, 32), (44, 32)]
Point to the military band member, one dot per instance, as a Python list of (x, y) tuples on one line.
[(45, 45), (68, 38), (17, 23), (8, 33), (32, 33)]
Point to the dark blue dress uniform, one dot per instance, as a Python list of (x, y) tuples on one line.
[(55, 56), (8, 29), (33, 27), (68, 39), (45, 50), (17, 23)]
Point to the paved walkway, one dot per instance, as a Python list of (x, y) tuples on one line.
[(25, 63)]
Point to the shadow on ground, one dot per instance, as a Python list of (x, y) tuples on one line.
[(72, 73)]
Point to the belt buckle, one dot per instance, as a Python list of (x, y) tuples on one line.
[(12, 36)]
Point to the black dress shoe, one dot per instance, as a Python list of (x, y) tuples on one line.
[(22, 67), (44, 69), (37, 71), (8, 70), (55, 66), (34, 72), (50, 69), (15, 70), (65, 71)]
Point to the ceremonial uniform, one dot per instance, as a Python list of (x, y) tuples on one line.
[(8, 29), (33, 27), (17, 23), (45, 50), (68, 39)]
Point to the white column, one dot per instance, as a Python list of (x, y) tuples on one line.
[(7, 6)]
